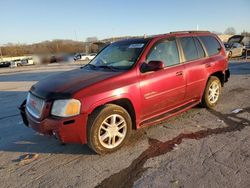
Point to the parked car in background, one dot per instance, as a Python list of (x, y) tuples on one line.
[(4, 64), (77, 56), (16, 63), (22, 62), (84, 56), (91, 56), (236, 50), (130, 84), (234, 46)]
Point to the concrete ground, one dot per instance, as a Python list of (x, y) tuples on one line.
[(199, 148)]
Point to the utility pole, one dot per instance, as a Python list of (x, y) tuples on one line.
[(197, 27), (1, 53)]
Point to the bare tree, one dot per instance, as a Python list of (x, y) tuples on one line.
[(217, 32), (245, 33), (230, 31), (91, 39)]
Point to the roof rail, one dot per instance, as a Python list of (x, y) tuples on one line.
[(189, 32)]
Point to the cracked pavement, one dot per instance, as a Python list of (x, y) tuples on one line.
[(198, 148)]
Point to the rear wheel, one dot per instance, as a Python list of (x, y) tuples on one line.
[(108, 128), (212, 92)]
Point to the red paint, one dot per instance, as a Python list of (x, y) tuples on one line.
[(151, 93)]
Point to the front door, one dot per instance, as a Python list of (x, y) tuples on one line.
[(162, 90)]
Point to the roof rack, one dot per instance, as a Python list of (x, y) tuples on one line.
[(189, 32)]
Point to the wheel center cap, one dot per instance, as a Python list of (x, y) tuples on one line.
[(112, 130)]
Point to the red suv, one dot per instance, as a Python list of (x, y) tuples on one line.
[(130, 84)]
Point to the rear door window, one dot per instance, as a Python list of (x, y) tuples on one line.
[(211, 44), (165, 51), (200, 49), (189, 48)]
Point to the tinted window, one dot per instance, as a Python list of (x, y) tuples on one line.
[(200, 49), (189, 48), (165, 51), (211, 44)]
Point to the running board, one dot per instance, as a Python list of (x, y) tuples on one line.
[(169, 114)]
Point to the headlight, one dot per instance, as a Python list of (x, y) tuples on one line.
[(66, 108)]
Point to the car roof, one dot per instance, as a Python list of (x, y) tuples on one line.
[(170, 34), (183, 33)]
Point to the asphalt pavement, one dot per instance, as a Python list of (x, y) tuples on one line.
[(199, 148)]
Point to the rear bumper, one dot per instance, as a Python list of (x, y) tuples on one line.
[(68, 130)]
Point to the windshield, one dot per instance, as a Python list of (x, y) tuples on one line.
[(119, 55)]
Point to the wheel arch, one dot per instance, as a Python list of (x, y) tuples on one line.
[(124, 103), (220, 75)]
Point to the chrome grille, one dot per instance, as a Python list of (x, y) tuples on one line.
[(34, 105)]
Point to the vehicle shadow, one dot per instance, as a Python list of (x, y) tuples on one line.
[(34, 143)]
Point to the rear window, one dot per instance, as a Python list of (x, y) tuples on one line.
[(211, 44), (189, 48)]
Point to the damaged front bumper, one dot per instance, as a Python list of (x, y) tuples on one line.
[(67, 130)]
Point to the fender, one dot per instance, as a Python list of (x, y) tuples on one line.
[(135, 104)]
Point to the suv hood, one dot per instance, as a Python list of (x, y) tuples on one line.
[(64, 85), (235, 39)]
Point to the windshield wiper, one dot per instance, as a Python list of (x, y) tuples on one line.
[(107, 67), (101, 66), (90, 65)]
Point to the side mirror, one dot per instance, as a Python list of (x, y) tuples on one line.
[(152, 66)]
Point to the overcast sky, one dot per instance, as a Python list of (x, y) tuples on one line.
[(28, 21)]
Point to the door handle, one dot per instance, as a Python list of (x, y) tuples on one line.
[(179, 73)]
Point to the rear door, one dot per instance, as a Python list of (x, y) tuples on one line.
[(195, 62), (162, 90)]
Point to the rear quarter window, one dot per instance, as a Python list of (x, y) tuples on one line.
[(211, 44)]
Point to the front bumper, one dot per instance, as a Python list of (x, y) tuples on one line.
[(68, 130)]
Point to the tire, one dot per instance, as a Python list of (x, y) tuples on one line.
[(212, 92), (109, 127)]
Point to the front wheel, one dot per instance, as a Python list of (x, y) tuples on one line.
[(108, 128), (212, 92)]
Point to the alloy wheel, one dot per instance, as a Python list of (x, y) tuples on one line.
[(213, 92), (112, 131)]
